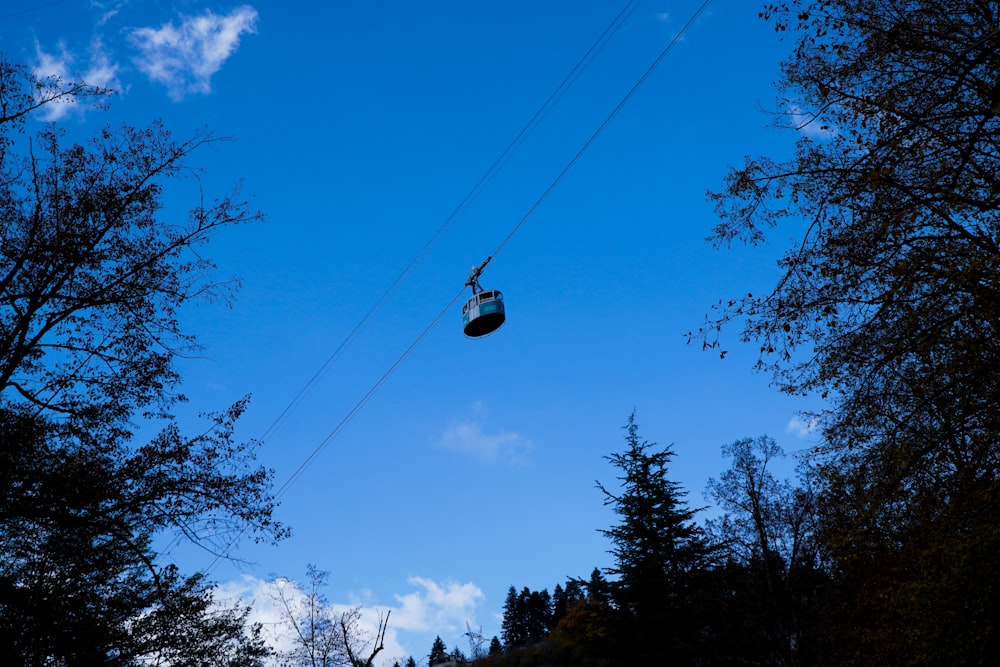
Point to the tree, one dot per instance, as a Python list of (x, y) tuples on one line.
[(586, 635), (361, 647), (79, 581), (768, 529), (315, 634), (598, 588), (537, 607), (512, 626), (322, 636), (439, 652), (527, 617), (888, 302), (563, 598), (92, 275), (657, 548)]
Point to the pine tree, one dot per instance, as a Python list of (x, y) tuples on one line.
[(657, 550), (537, 606), (439, 652), (597, 587)]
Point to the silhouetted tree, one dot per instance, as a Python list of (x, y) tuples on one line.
[(78, 575), (92, 274), (527, 617), (768, 530), (439, 652), (657, 548), (597, 587), (312, 624), (320, 635), (887, 305), (513, 627)]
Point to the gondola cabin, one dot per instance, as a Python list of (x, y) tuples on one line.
[(483, 313)]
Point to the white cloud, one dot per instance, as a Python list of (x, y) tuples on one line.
[(435, 607), (52, 64), (58, 68), (183, 58), (101, 72), (466, 435), (801, 426)]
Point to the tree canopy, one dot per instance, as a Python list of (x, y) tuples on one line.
[(92, 274), (888, 302)]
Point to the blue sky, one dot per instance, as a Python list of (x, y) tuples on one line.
[(359, 127)]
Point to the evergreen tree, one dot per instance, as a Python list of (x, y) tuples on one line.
[(597, 587), (512, 627), (657, 550), (496, 648), (439, 652), (536, 609), (527, 617), (559, 603)]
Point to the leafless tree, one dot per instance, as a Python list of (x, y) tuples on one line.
[(322, 636)]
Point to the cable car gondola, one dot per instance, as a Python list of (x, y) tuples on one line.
[(484, 312)]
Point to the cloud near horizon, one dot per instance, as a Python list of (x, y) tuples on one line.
[(436, 607), (433, 607), (183, 58)]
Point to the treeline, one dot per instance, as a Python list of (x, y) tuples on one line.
[(885, 305), (747, 588), (882, 551), (778, 578)]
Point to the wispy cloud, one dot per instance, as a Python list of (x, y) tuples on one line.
[(802, 426), (468, 436), (183, 58), (55, 69)]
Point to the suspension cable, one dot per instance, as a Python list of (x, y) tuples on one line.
[(460, 209), (385, 376)]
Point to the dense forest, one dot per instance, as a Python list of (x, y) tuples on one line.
[(748, 587), (882, 550)]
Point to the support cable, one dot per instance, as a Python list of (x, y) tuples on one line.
[(459, 210), (385, 376)]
